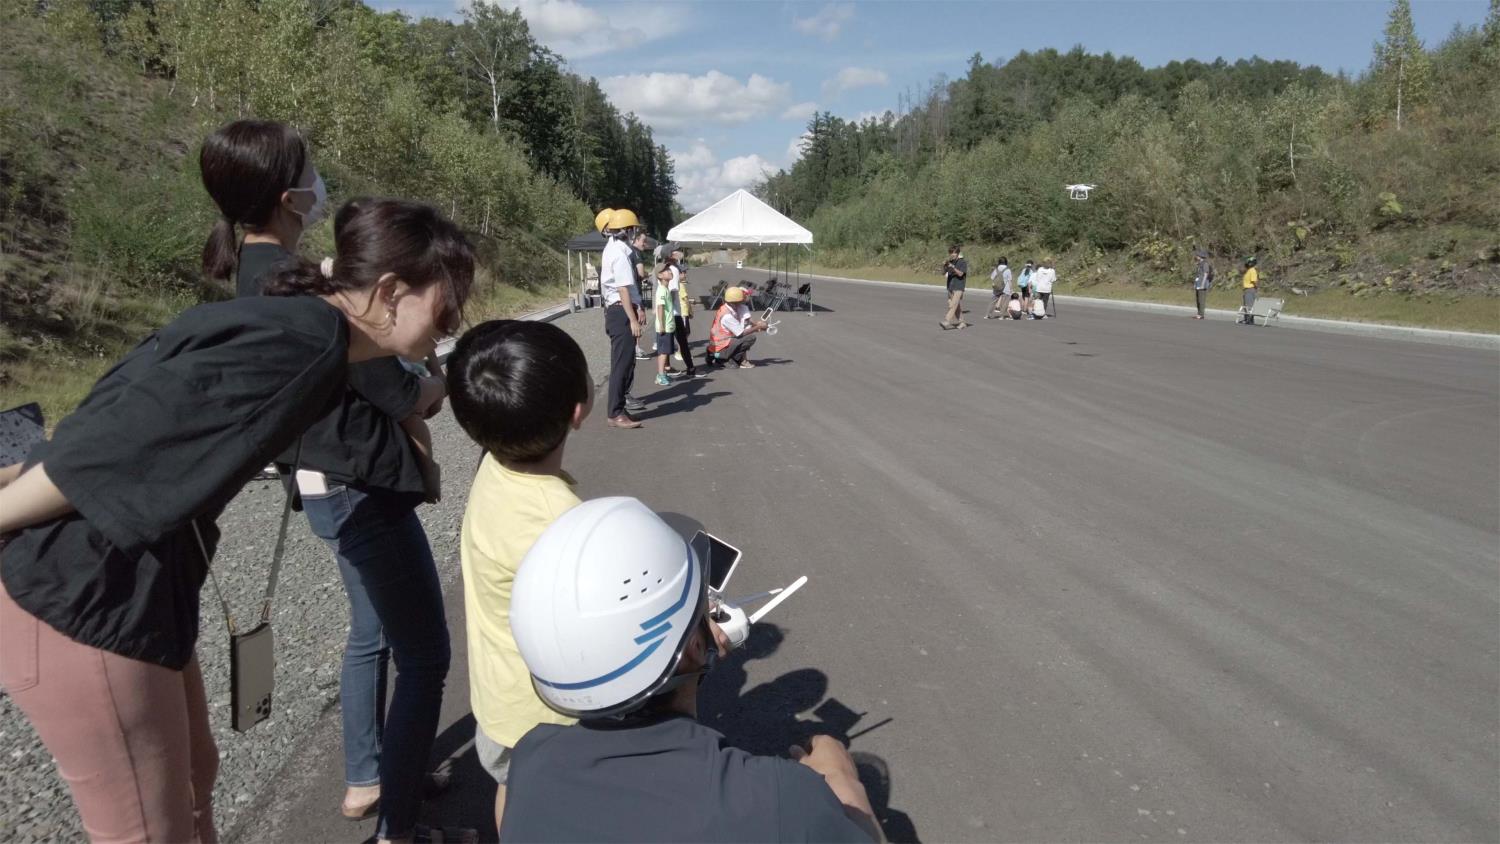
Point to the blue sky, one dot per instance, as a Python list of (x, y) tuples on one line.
[(728, 86)]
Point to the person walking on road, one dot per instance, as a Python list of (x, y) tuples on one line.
[(1251, 283), (1041, 281), (955, 271), (1003, 284), (1203, 280), (622, 312)]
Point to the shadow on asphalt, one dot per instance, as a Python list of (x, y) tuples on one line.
[(470, 800), (681, 397), (763, 720)]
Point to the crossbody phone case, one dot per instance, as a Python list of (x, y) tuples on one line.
[(252, 655)]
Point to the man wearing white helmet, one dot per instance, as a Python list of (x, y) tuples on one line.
[(609, 613)]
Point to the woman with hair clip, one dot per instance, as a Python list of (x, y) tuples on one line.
[(361, 472), (108, 528)]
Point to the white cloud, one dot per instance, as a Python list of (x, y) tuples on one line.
[(794, 148), (854, 77), (698, 157), (703, 180), (828, 21), (800, 111), (577, 30), (673, 101)]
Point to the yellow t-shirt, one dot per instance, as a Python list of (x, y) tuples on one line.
[(1252, 278), (507, 511)]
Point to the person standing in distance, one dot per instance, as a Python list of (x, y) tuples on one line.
[(1042, 281), (684, 321), (956, 271), (1023, 285), (1203, 279), (1003, 283), (622, 312), (1251, 283), (638, 246)]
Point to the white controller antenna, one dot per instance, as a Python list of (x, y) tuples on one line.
[(776, 601)]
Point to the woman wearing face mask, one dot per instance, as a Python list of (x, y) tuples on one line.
[(102, 564), (262, 178), (362, 470)]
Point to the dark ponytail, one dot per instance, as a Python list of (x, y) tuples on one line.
[(246, 166), (219, 251), (373, 237)]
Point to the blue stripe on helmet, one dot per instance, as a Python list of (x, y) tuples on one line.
[(656, 627), (652, 634), (601, 680)]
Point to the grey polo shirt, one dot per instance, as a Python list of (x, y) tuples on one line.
[(662, 778)]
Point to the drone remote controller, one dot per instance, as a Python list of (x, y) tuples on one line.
[(732, 618)]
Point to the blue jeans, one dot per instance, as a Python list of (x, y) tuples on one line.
[(395, 608)]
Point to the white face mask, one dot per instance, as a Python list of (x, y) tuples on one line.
[(319, 209)]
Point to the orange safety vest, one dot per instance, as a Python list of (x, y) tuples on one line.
[(719, 337)]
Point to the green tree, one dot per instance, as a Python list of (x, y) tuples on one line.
[(1402, 68), (1491, 54), (497, 44)]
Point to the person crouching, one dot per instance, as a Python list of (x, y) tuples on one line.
[(733, 331)]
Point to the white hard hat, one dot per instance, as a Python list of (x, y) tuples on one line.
[(603, 605)]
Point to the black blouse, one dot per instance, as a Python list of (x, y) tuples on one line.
[(165, 438), (359, 442)]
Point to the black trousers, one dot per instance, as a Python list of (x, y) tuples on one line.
[(1202, 298), (682, 345), (621, 357), (1047, 307), (737, 349)]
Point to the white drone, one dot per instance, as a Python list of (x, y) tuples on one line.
[(1079, 191)]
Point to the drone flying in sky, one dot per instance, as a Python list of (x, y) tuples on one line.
[(1079, 191)]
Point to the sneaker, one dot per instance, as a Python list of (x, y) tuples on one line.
[(623, 421), (662, 380), (746, 364), (640, 355), (633, 403), (947, 326), (962, 325), (697, 373)]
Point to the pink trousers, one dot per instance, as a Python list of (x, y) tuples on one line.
[(130, 738)]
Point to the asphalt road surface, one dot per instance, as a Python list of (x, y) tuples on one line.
[(1108, 577)]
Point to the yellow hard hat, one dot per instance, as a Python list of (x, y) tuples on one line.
[(601, 218), (734, 295), (621, 218)]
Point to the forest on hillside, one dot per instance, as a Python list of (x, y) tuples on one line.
[(1394, 174), (103, 104)]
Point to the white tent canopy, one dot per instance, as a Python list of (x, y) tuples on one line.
[(737, 219)]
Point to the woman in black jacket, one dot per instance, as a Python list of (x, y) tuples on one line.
[(108, 525)]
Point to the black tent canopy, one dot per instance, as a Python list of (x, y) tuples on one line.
[(576, 248)]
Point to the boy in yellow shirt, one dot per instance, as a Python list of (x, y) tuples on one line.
[(518, 389), (1250, 282)]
